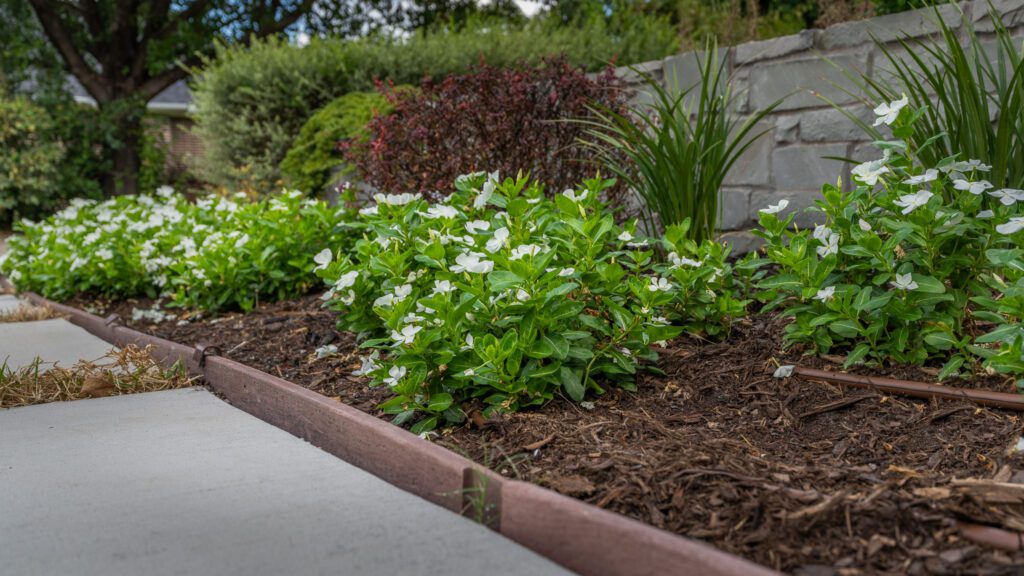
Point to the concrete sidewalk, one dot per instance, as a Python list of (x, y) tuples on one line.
[(54, 341), (179, 482)]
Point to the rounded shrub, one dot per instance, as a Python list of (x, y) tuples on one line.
[(309, 163)]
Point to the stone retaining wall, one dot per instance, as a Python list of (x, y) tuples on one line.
[(790, 160)]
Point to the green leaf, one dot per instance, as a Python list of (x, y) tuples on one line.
[(571, 383), (550, 345), (439, 402), (928, 285), (940, 340), (846, 328), (425, 425)]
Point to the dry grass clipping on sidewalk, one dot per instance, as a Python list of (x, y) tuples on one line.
[(126, 371), (29, 313)]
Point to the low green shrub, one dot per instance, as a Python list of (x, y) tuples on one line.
[(915, 265), (29, 160), (213, 254), (310, 162), (501, 296)]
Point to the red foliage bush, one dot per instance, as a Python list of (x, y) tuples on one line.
[(488, 119)]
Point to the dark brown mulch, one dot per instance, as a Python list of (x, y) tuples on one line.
[(795, 475)]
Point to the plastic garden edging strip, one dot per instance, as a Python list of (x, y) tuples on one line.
[(576, 535)]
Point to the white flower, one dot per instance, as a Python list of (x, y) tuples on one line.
[(825, 294), (829, 246), (395, 199), (442, 287), (972, 187), (468, 372), (985, 214), (571, 195), (325, 351), (910, 202), (369, 211), (522, 295), (678, 261), (104, 254), (402, 292), (476, 226), (1012, 227), (928, 176), (904, 282), (524, 250), (165, 191), (488, 190), (472, 262), (441, 211), (498, 240), (323, 259), (863, 224), (821, 233), (347, 280), (775, 208), (659, 284), (887, 113), (395, 374), (967, 166), (869, 172), (407, 335), (783, 371), (660, 320), (469, 343), (1008, 196), (567, 272)]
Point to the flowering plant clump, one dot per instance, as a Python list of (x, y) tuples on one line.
[(500, 295), (212, 254), (915, 264)]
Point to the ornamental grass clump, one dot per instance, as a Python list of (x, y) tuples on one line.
[(500, 296), (211, 254), (917, 264)]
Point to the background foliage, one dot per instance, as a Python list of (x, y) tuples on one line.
[(508, 120)]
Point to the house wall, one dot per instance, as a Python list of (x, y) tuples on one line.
[(790, 161)]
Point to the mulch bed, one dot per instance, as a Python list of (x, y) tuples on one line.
[(796, 475)]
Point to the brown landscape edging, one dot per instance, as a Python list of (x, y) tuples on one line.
[(576, 535)]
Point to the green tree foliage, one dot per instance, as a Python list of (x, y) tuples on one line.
[(30, 160)]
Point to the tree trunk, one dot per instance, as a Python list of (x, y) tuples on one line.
[(125, 152)]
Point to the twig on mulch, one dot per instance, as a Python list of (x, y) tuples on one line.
[(127, 371)]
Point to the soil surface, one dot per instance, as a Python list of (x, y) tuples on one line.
[(800, 476)]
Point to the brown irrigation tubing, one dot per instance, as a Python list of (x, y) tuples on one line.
[(917, 389)]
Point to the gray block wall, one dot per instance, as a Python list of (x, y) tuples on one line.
[(791, 160)]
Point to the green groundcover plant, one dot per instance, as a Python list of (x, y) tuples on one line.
[(915, 264), (210, 254), (501, 296)]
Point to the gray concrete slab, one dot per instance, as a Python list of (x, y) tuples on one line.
[(179, 482), (8, 303), (55, 341)]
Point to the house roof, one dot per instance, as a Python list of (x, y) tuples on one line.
[(175, 100)]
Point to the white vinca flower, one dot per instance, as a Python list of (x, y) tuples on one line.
[(395, 199), (566, 272), (522, 295), (829, 245), (775, 208), (868, 173), (1008, 196), (442, 287), (888, 112), (475, 226), (346, 280), (1012, 227), (369, 211), (498, 240), (407, 335), (967, 166), (929, 175), (821, 233), (659, 285), (678, 261), (104, 254), (904, 282), (395, 375), (519, 252), (825, 294), (626, 236), (441, 211), (488, 190), (986, 214), (472, 262), (572, 195), (975, 188), (323, 259), (864, 225), (911, 202)]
